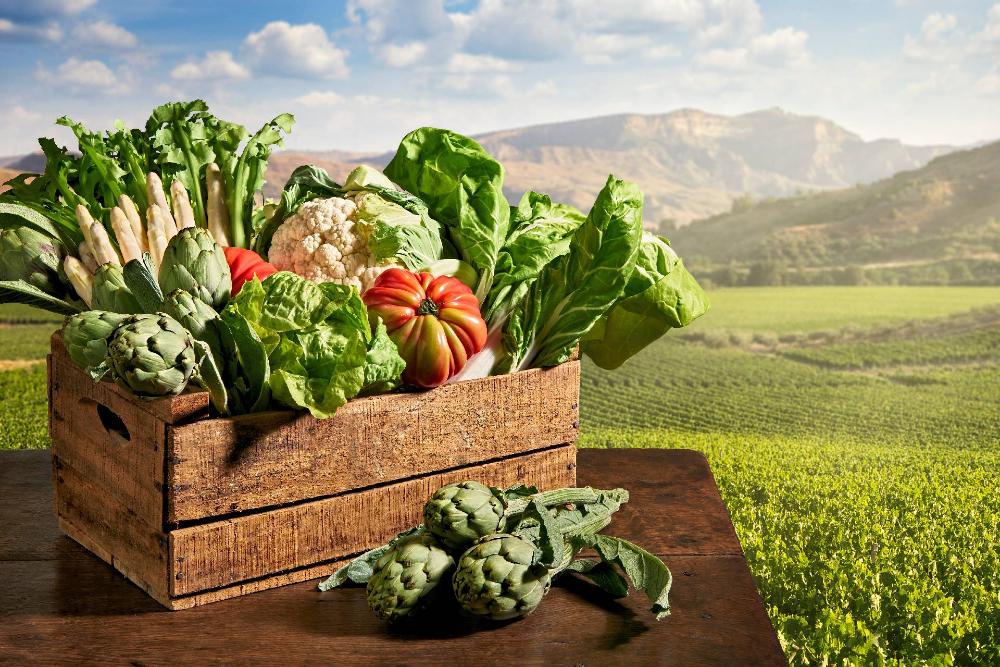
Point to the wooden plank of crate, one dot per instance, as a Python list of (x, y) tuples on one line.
[(222, 466), (225, 552), (108, 439), (112, 530), (192, 404)]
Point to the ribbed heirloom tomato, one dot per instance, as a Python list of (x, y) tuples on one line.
[(434, 321)]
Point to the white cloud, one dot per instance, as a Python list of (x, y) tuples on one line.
[(402, 55), (83, 77), (50, 32), (319, 98), (730, 20), (661, 52), (988, 39), (636, 15), (18, 115), (216, 65), (936, 41), (103, 34), (989, 84), (302, 51), (478, 85), (469, 62), (35, 10), (733, 59), (783, 46)]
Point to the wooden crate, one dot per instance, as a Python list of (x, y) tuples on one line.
[(196, 509)]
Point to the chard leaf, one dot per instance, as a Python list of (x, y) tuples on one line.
[(575, 290), (541, 230), (253, 367), (21, 291), (602, 574), (646, 572), (661, 295), (462, 186)]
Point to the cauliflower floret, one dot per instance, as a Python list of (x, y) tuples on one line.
[(323, 243)]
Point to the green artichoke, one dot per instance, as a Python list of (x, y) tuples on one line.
[(152, 355), (404, 576), (459, 514), (499, 578), (193, 314), (194, 262), (86, 337), (30, 255), (111, 293)]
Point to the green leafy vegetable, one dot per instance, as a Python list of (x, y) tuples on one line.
[(463, 188), (646, 572), (661, 295), (575, 290)]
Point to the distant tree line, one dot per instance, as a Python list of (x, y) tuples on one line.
[(769, 273)]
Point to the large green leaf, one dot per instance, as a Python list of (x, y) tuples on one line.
[(463, 188), (661, 295), (575, 290)]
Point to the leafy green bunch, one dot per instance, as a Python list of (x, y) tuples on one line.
[(502, 549)]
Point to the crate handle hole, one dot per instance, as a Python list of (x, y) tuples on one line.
[(111, 422)]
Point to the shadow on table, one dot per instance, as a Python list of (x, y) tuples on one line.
[(623, 623), (87, 586)]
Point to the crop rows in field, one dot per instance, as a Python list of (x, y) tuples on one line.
[(864, 553), (23, 400), (690, 388)]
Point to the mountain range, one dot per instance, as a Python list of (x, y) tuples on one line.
[(690, 164)]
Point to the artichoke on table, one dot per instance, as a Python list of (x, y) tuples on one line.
[(404, 577), (500, 578), (459, 514)]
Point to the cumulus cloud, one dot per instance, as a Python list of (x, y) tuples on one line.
[(935, 41), (319, 98), (83, 77), (401, 55), (103, 34), (989, 84), (302, 50), (50, 32), (783, 46), (470, 62), (216, 65)]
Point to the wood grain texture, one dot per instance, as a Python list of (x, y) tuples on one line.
[(225, 552), (60, 605), (222, 466)]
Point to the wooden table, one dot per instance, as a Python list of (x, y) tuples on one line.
[(60, 605)]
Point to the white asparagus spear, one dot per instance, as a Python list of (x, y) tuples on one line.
[(127, 242), (126, 204), (183, 213), (85, 220), (154, 188), (218, 212), (104, 252), (154, 232), (87, 257), (80, 278)]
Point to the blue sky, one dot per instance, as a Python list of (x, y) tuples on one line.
[(359, 74)]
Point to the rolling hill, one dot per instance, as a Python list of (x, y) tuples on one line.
[(921, 225)]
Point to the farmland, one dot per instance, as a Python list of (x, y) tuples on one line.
[(854, 434)]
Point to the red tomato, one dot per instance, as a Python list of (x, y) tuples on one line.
[(434, 321), (244, 265)]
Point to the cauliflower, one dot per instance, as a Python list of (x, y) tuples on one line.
[(323, 242)]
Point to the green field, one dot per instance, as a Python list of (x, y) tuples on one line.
[(854, 434)]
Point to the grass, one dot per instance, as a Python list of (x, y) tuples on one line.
[(853, 433)]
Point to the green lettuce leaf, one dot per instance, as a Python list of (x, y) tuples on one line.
[(661, 295), (463, 188), (394, 233), (383, 365), (575, 290), (541, 230)]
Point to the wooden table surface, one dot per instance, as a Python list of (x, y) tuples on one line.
[(61, 605)]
